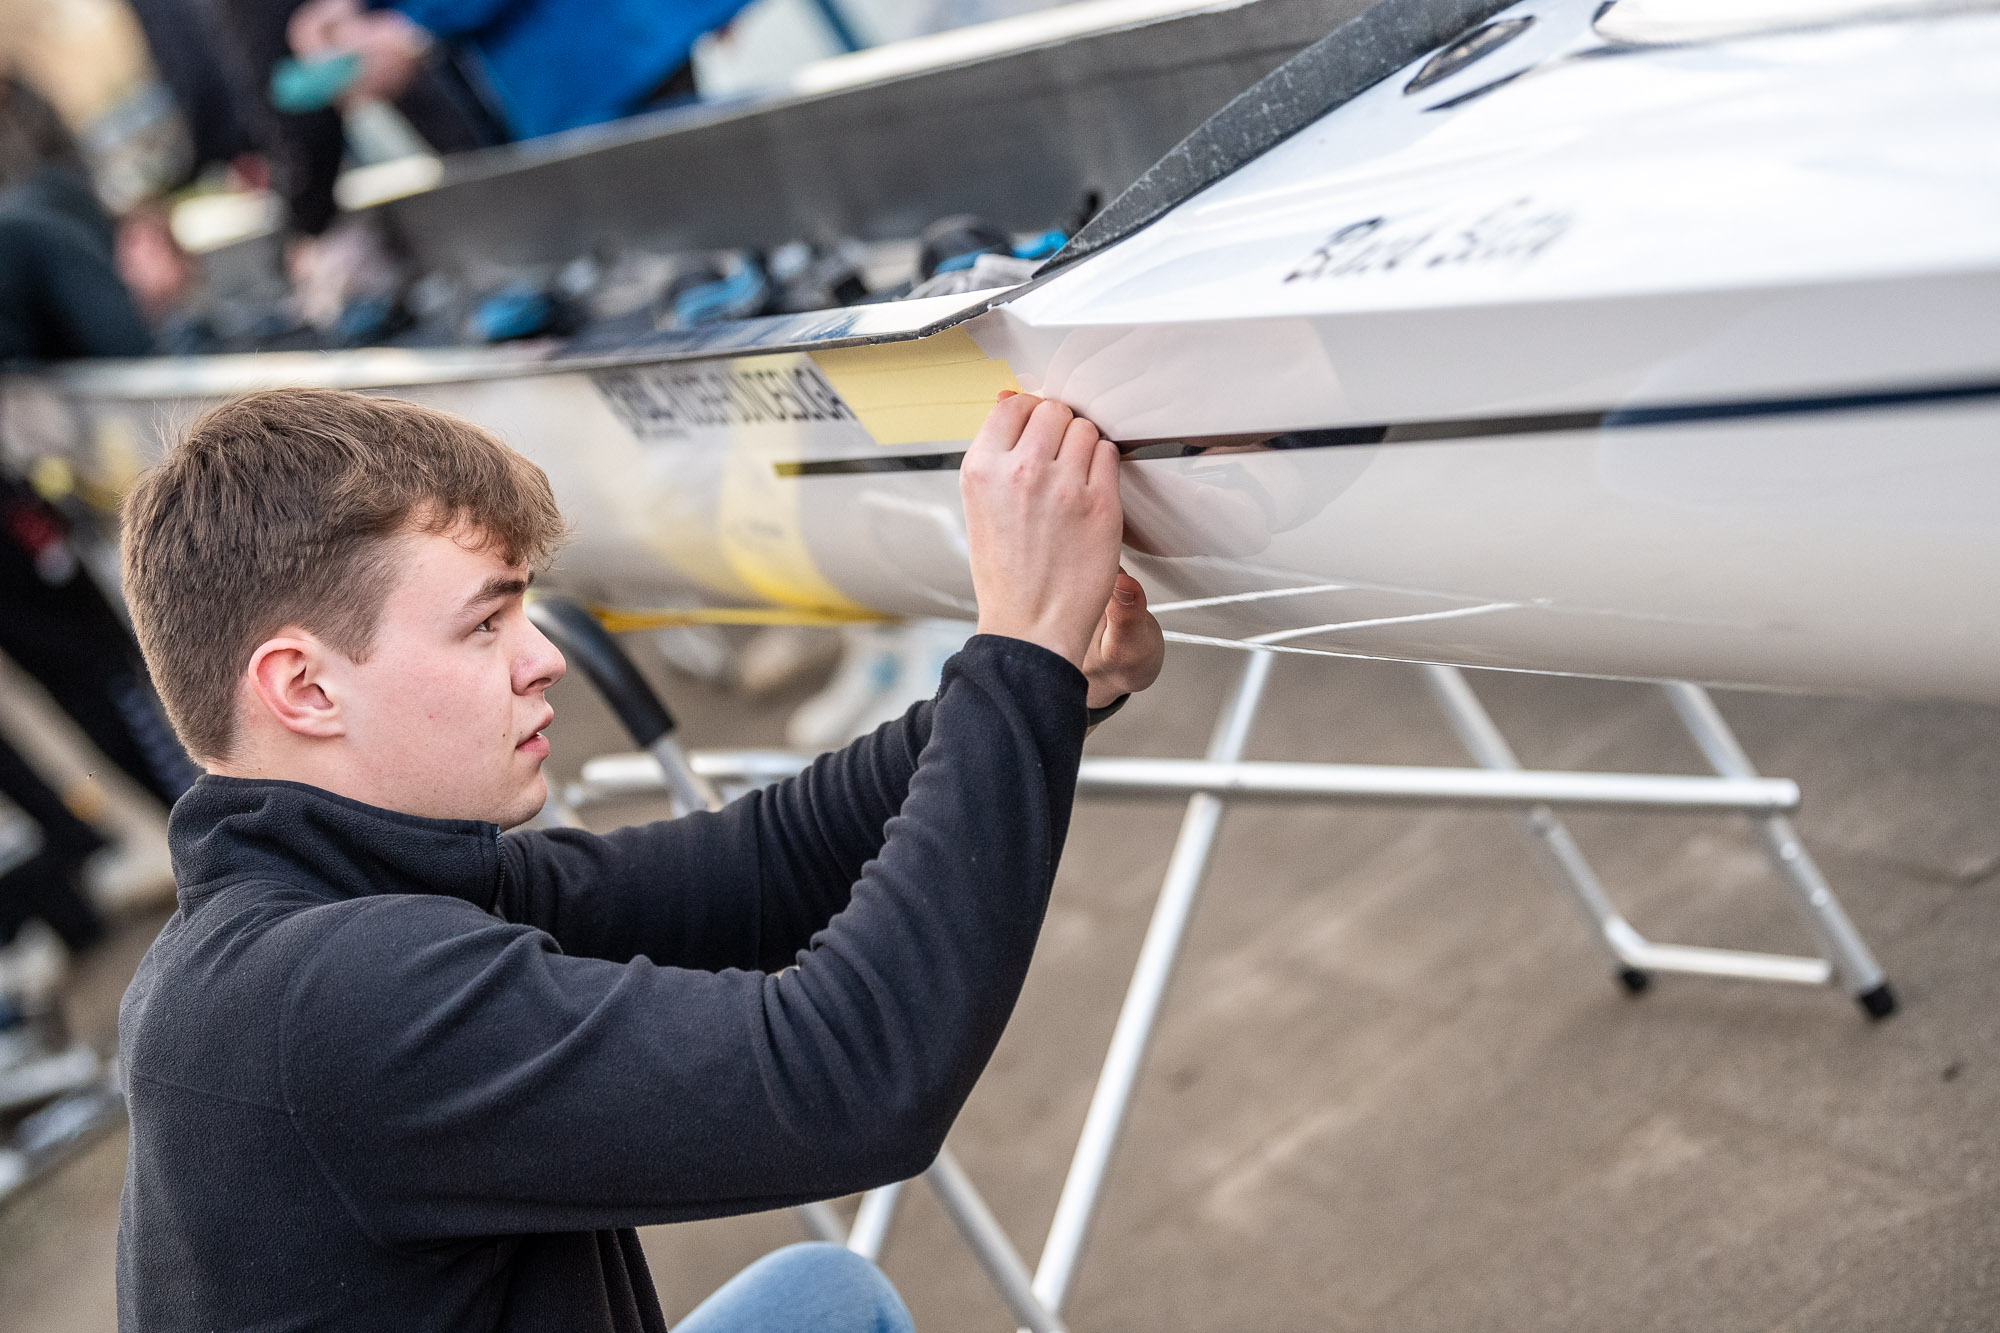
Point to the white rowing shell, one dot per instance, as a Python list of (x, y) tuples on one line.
[(1680, 362)]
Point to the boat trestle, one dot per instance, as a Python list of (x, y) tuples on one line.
[(1209, 785)]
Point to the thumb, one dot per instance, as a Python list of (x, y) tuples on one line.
[(1128, 597)]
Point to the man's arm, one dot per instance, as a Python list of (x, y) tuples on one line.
[(747, 886), (454, 1075)]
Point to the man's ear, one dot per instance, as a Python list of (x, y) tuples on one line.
[(288, 680)]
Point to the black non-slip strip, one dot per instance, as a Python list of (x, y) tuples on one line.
[(1472, 428), (1370, 42)]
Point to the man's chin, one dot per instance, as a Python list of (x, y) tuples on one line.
[(527, 805)]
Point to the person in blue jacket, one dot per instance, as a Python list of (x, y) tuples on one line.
[(544, 65), (466, 73)]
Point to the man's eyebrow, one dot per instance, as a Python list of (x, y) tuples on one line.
[(498, 588)]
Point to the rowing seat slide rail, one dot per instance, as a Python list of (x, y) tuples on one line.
[(1208, 786)]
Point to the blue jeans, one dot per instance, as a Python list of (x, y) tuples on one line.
[(815, 1288)]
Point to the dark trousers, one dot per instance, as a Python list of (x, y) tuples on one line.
[(443, 105), (46, 885), (57, 626)]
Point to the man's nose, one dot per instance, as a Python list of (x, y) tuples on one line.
[(541, 663)]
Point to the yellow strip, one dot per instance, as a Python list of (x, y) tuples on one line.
[(957, 383), (935, 389), (764, 532), (620, 621)]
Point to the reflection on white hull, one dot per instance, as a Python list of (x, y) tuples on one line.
[(1672, 362)]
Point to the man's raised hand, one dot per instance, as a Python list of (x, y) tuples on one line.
[(1043, 524)]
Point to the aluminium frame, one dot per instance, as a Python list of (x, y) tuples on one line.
[(1222, 777)]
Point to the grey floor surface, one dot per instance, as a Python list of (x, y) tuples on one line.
[(1395, 1087)]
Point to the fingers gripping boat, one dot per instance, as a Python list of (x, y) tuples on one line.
[(1653, 339)]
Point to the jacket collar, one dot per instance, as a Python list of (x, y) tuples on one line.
[(230, 830)]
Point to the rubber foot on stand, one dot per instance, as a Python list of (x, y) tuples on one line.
[(1633, 980), (1878, 1003)]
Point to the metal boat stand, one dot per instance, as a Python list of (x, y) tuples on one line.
[(1844, 958), (1222, 777)]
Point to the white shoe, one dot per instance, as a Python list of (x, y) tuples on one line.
[(867, 666), (134, 873), (44, 1078), (886, 669), (33, 967), (923, 649)]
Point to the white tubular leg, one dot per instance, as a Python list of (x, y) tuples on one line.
[(1106, 1117), (1853, 963), (989, 1243), (1546, 833), (822, 1223), (873, 1219)]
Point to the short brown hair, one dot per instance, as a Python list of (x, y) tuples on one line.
[(277, 509)]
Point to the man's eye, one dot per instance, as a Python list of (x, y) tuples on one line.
[(486, 624)]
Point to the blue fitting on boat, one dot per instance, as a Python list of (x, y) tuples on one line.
[(957, 262), (740, 293), (1041, 247), (518, 310)]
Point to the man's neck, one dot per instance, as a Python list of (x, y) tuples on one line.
[(254, 760)]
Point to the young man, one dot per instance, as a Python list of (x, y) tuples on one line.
[(390, 1069)]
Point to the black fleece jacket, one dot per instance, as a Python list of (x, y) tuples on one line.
[(391, 1072)]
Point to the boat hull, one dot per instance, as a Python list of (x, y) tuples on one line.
[(1705, 385)]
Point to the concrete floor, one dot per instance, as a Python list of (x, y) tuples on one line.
[(1395, 1087)]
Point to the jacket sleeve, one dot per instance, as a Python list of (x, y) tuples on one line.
[(455, 18), (746, 886), (455, 1075)]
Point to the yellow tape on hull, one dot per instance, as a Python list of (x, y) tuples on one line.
[(760, 525), (936, 389)]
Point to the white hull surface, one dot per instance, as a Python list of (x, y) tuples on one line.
[(1671, 362)]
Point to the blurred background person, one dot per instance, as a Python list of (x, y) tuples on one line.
[(60, 292), (299, 100), (58, 626), (543, 65), (61, 297), (464, 74), (195, 58)]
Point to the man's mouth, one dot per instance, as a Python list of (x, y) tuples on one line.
[(537, 743)]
